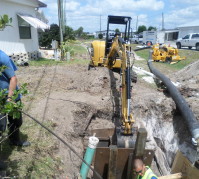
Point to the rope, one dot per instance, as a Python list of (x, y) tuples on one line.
[(64, 142)]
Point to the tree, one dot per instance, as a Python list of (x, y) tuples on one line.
[(141, 28), (5, 21), (45, 38), (79, 31), (117, 30), (69, 33), (54, 32), (100, 36), (150, 28)]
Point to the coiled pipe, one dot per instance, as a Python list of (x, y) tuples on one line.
[(182, 105)]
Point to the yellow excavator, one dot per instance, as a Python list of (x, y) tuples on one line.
[(114, 53), (120, 145), (166, 54)]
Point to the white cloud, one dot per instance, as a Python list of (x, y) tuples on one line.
[(91, 10), (182, 16), (72, 6), (87, 13), (180, 2)]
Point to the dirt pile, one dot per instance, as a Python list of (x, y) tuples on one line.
[(68, 97), (189, 85)]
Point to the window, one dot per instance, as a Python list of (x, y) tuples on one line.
[(195, 36), (186, 37), (24, 29)]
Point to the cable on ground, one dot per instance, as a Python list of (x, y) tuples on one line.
[(64, 142)]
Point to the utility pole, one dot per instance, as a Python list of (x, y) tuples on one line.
[(162, 21), (64, 17), (137, 24), (100, 23), (60, 18)]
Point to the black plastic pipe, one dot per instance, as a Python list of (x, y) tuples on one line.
[(182, 105)]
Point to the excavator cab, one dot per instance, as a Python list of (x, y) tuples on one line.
[(101, 49), (119, 20)]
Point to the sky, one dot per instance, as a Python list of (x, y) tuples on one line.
[(87, 13)]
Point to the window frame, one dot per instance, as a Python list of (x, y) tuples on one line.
[(186, 37), (26, 27)]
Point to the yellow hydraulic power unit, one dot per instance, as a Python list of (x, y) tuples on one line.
[(166, 54)]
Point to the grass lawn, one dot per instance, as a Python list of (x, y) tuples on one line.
[(51, 62), (79, 51)]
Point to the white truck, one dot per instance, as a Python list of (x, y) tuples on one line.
[(136, 39), (190, 40), (153, 37)]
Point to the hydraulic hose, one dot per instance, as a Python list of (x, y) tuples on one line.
[(182, 105)]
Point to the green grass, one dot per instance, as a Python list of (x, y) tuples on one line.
[(50, 62), (39, 159), (80, 53), (143, 53), (79, 49), (191, 56), (44, 62)]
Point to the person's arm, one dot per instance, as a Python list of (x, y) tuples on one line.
[(12, 86)]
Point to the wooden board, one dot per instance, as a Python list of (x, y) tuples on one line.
[(172, 176), (183, 165)]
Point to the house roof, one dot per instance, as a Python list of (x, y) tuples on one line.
[(190, 24), (34, 3), (41, 4)]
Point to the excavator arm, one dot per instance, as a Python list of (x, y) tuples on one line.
[(120, 49), (114, 53)]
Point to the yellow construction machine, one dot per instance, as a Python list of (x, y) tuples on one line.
[(120, 145), (114, 53), (166, 54)]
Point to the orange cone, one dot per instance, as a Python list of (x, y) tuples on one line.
[(148, 43)]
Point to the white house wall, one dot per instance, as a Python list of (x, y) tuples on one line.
[(186, 30), (10, 41)]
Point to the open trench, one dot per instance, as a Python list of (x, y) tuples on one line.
[(156, 111)]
